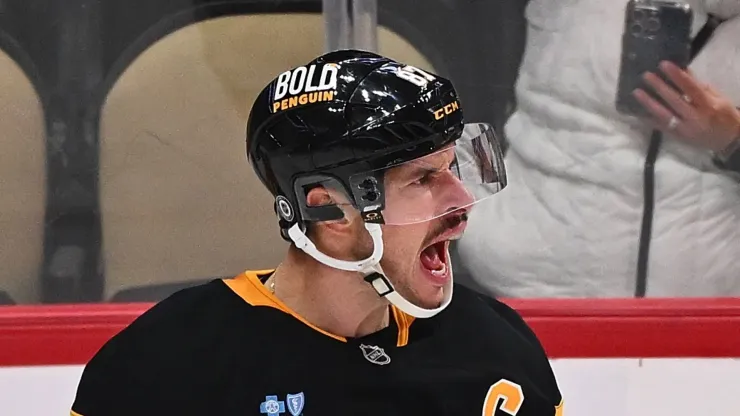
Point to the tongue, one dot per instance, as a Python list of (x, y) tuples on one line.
[(431, 258)]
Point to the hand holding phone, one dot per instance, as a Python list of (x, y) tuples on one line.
[(654, 31)]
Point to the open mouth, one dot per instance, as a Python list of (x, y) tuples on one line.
[(435, 261), (435, 258)]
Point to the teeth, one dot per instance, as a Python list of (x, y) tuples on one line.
[(440, 272)]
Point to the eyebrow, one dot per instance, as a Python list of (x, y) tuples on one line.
[(420, 170), (404, 174)]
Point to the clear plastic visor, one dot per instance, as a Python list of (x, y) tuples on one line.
[(454, 178)]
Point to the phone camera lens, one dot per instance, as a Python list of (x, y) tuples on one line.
[(638, 15), (653, 24), (636, 29)]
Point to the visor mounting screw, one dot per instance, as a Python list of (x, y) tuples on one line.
[(370, 196), (368, 184)]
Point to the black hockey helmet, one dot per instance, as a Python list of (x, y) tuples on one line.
[(343, 119)]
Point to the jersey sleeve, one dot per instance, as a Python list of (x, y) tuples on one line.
[(152, 366), (539, 364), (115, 382)]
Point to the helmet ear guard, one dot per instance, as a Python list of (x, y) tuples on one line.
[(299, 212), (303, 185), (365, 194)]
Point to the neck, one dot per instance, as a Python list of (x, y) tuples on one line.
[(337, 301)]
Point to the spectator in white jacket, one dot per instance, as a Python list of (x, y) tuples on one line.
[(569, 223)]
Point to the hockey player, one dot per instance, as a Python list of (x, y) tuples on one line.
[(374, 172)]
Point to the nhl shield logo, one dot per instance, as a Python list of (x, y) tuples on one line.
[(295, 403), (375, 355)]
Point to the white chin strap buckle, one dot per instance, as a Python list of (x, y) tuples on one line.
[(380, 283), (385, 289), (370, 267)]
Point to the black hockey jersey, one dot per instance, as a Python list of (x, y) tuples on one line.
[(230, 348)]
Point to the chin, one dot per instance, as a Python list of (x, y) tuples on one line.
[(424, 286), (432, 301), (427, 294)]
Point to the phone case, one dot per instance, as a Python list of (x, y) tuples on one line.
[(654, 31)]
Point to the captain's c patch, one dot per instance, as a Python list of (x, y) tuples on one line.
[(505, 395)]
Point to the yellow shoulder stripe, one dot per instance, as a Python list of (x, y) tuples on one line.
[(559, 409)]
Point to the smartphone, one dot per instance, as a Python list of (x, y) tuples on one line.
[(654, 31)]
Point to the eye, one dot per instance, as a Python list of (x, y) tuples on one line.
[(423, 180)]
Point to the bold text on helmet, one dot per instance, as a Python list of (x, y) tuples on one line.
[(305, 80), (313, 97)]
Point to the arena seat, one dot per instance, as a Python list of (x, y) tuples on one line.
[(5, 299), (22, 183), (179, 202)]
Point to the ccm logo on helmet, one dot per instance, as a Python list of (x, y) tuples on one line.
[(446, 110), (304, 85)]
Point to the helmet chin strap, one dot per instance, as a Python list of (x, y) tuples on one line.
[(370, 267)]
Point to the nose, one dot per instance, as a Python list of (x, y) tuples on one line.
[(454, 194)]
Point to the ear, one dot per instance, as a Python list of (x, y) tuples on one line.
[(320, 196)]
